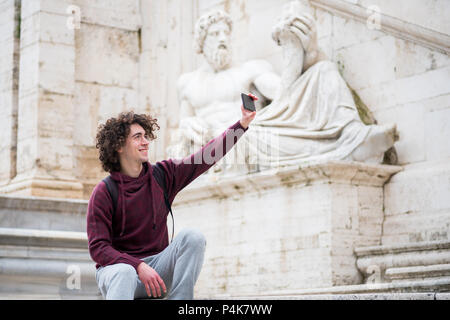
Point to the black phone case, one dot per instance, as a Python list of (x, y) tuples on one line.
[(248, 102)]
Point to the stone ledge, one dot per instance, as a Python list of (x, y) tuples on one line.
[(417, 272), (43, 268), (399, 28), (374, 296), (404, 261), (43, 238), (36, 186), (357, 173), (42, 213), (420, 288), (404, 247), (43, 263), (24, 296)]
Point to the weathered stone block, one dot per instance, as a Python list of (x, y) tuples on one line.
[(414, 213), (56, 68), (437, 133), (54, 28), (29, 30), (419, 87), (46, 27), (122, 14), (378, 65), (348, 32), (402, 194), (412, 59), (29, 70), (113, 56), (301, 223)]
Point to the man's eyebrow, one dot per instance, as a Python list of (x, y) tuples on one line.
[(137, 133)]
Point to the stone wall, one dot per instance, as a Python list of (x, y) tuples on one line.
[(107, 76), (399, 68), (130, 54), (403, 75), (67, 66), (57, 83)]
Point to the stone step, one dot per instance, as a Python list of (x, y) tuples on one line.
[(43, 213), (438, 270), (46, 263), (409, 261), (436, 289), (25, 296), (43, 238), (355, 296)]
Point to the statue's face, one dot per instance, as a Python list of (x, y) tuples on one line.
[(216, 47)]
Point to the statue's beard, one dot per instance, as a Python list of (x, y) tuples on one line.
[(219, 58)]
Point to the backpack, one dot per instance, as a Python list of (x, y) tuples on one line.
[(158, 174)]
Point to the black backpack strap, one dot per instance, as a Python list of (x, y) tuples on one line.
[(111, 185), (160, 177)]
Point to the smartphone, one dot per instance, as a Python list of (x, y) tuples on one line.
[(248, 102)]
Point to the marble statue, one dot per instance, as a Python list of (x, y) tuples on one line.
[(307, 114)]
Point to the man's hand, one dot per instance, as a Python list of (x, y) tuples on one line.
[(151, 280), (247, 116)]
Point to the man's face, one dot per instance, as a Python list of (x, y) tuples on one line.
[(136, 145), (216, 47)]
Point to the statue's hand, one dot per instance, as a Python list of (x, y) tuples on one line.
[(303, 27)]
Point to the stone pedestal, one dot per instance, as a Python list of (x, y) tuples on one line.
[(294, 228)]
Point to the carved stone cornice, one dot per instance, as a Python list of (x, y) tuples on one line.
[(402, 29), (356, 173)]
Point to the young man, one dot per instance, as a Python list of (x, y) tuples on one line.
[(130, 245)]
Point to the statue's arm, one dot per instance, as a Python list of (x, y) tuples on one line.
[(191, 126), (186, 109), (268, 84), (297, 35)]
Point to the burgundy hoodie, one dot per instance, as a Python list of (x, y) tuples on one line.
[(138, 228)]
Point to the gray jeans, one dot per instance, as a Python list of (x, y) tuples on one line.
[(178, 265)]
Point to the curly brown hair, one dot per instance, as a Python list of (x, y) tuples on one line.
[(113, 134)]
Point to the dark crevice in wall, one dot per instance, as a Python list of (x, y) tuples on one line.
[(15, 98)]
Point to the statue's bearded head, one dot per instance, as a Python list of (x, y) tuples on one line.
[(212, 35)]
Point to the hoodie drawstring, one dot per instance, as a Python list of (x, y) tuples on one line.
[(153, 202), (122, 199), (122, 194)]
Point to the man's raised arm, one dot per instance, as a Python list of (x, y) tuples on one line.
[(181, 172)]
